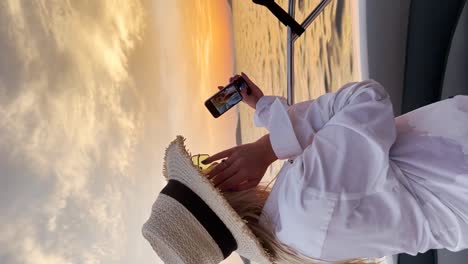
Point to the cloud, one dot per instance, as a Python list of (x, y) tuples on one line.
[(90, 94), (69, 122), (20, 241)]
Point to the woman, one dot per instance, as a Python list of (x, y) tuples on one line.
[(357, 182)]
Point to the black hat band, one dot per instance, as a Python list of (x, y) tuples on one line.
[(203, 213)]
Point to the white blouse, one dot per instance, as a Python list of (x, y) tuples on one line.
[(360, 182)]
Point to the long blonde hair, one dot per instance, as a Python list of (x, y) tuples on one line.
[(249, 204)]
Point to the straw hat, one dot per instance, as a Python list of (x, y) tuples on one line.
[(191, 222)]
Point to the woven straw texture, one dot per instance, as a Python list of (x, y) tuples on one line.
[(167, 237), (177, 236)]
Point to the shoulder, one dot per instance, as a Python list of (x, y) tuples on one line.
[(369, 87)]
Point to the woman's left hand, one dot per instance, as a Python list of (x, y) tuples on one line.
[(255, 92), (244, 167)]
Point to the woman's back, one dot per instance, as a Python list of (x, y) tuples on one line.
[(432, 152), (347, 193)]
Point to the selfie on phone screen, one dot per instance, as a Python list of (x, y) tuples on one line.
[(226, 99)]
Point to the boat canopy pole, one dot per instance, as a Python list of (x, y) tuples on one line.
[(290, 57), (294, 32), (284, 17)]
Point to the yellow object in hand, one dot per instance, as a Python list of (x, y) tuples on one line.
[(204, 168), (210, 168)]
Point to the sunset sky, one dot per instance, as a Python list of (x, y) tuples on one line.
[(91, 93)]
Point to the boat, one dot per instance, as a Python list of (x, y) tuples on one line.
[(416, 49)]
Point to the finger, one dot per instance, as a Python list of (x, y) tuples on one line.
[(246, 92), (230, 184), (224, 175), (210, 168), (243, 182), (247, 79), (252, 87), (233, 78), (243, 93), (223, 154), (245, 186), (219, 168)]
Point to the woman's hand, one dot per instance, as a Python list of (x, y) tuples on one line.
[(255, 94), (244, 167), (210, 168)]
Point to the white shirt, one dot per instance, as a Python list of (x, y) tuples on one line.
[(362, 183)]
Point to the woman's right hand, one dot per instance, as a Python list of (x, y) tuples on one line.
[(244, 166), (252, 99)]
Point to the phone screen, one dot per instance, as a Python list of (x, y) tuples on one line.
[(226, 98)]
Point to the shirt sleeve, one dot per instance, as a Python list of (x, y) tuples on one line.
[(349, 156), (293, 128)]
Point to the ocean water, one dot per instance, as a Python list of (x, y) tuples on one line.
[(323, 56)]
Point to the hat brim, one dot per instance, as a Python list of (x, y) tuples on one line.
[(178, 166)]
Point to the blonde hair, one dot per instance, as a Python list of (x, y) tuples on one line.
[(249, 204)]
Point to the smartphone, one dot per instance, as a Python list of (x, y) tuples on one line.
[(226, 98)]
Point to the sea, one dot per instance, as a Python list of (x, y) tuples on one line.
[(323, 56)]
